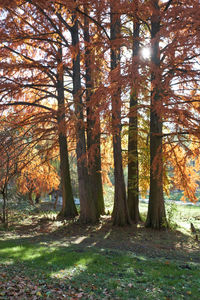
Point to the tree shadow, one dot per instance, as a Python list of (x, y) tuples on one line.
[(135, 239), (95, 270)]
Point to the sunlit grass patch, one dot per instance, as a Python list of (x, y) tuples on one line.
[(70, 261), (103, 273)]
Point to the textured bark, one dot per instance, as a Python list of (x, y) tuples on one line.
[(133, 170), (88, 211), (120, 213), (93, 128), (68, 206), (156, 217)]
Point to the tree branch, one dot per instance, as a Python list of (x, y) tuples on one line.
[(168, 5), (95, 21), (20, 103)]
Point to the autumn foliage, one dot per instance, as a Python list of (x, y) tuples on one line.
[(74, 80)]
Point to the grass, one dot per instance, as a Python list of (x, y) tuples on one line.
[(180, 216), (45, 259), (101, 274)]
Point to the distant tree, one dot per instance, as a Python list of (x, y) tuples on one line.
[(7, 170), (13, 149), (37, 178)]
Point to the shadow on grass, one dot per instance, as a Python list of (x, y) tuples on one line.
[(134, 239), (100, 273)]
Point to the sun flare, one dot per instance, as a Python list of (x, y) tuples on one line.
[(146, 52)]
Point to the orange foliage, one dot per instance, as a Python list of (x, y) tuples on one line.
[(38, 177), (29, 62)]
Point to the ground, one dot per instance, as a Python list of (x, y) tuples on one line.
[(42, 258)]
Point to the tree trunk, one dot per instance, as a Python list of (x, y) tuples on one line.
[(133, 170), (56, 201), (88, 210), (156, 217), (30, 197), (37, 198), (120, 213), (4, 208), (93, 128), (68, 206)]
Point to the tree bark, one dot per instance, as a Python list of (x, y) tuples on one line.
[(68, 206), (30, 197), (93, 128), (88, 211), (120, 213), (133, 170), (4, 208), (156, 217)]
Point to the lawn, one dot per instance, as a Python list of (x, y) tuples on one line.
[(41, 258), (37, 270)]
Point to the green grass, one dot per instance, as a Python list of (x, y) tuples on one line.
[(101, 273), (179, 216), (47, 267)]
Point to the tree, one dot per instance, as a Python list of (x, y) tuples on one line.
[(93, 121), (39, 177), (44, 81), (68, 207), (156, 209), (88, 209), (61, 67), (173, 73), (133, 167), (120, 213), (15, 152), (7, 170)]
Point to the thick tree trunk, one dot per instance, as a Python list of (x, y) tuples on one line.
[(93, 128), (88, 210), (156, 217), (133, 170), (120, 213), (68, 206)]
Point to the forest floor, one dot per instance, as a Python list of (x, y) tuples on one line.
[(42, 258)]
